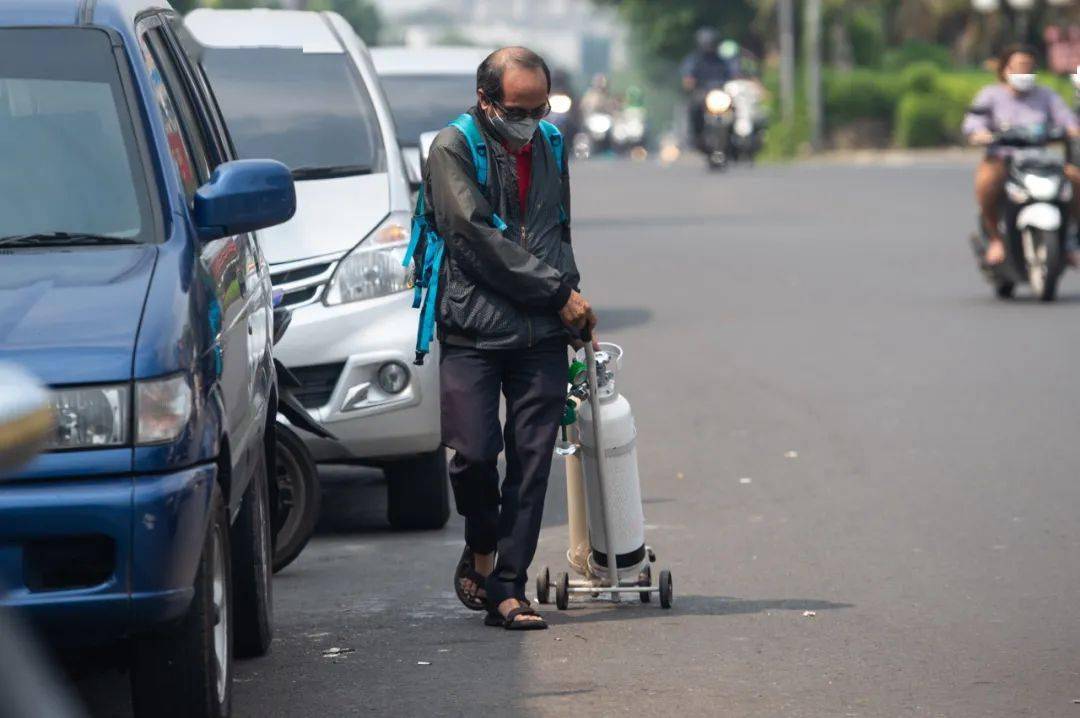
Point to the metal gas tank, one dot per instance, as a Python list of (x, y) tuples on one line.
[(622, 488)]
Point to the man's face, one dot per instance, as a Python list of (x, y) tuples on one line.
[(523, 89)]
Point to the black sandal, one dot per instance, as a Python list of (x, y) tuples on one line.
[(510, 622), (466, 569)]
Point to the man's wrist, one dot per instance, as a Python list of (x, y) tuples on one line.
[(562, 296)]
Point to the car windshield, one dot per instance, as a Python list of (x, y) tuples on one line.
[(427, 103), (307, 110), (70, 168)]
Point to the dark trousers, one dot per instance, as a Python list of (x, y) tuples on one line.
[(533, 382)]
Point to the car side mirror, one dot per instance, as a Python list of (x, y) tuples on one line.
[(26, 418), (426, 140), (243, 196)]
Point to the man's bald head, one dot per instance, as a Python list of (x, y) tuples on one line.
[(526, 71)]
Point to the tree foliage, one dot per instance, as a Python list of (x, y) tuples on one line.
[(665, 28)]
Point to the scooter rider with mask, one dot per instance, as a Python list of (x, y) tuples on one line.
[(507, 303), (1015, 101)]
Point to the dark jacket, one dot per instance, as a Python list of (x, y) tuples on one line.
[(499, 290)]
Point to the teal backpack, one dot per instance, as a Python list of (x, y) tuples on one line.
[(433, 249)]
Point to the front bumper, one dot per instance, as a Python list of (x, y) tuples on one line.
[(354, 340), (153, 528)]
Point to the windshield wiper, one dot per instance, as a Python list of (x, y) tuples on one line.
[(62, 238), (311, 173)]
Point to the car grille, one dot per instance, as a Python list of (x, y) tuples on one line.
[(301, 282), (317, 383)]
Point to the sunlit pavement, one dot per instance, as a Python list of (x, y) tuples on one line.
[(859, 467)]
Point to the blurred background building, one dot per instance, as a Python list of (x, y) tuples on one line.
[(576, 35)]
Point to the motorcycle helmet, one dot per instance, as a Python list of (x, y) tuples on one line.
[(707, 39)]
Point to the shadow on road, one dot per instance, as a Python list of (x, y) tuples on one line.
[(686, 606)]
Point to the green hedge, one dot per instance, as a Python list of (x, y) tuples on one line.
[(921, 105)]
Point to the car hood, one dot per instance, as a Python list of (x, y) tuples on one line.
[(71, 316), (332, 216)]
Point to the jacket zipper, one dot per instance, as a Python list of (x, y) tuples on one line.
[(525, 246)]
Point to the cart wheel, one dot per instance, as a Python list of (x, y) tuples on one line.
[(562, 591), (645, 581), (665, 589), (543, 586)]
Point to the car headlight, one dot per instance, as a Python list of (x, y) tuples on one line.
[(99, 417), (373, 268), (91, 417), (560, 103), (162, 409), (717, 102)]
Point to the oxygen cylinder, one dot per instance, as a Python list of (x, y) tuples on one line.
[(622, 487)]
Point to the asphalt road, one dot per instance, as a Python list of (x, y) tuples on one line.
[(860, 468)]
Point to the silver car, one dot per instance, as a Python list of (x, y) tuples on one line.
[(300, 87)]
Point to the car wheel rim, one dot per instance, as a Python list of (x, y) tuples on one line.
[(221, 615), (293, 500)]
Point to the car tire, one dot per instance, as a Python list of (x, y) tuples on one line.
[(297, 479), (253, 604), (185, 670), (418, 492)]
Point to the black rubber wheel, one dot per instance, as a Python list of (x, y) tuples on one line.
[(562, 591), (645, 579), (543, 586), (299, 496), (418, 492), (185, 670), (1004, 290), (252, 554), (666, 590)]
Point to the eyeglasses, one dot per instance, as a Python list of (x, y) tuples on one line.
[(517, 114)]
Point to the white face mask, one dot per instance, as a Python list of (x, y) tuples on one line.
[(1021, 82)]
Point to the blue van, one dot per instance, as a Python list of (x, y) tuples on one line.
[(131, 284)]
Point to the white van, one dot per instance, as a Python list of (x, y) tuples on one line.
[(300, 87)]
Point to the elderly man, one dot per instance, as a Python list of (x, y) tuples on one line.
[(508, 306)]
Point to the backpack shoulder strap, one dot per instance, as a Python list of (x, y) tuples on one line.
[(466, 124), (554, 139)]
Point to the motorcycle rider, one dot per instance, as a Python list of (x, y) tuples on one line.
[(598, 97), (1014, 101), (702, 69)]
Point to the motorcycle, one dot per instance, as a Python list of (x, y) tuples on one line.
[(718, 120), (296, 494), (1035, 217), (750, 120), (628, 130), (596, 136)]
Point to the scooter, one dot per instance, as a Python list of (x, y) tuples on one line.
[(718, 120), (1035, 216), (296, 494), (596, 137), (605, 516)]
